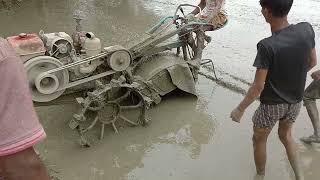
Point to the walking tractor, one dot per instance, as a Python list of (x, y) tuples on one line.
[(115, 79)]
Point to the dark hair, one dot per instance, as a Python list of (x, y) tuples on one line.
[(278, 8)]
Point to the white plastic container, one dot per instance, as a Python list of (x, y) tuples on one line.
[(92, 45)]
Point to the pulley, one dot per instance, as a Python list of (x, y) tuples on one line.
[(44, 85), (119, 60)]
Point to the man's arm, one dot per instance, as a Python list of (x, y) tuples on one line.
[(312, 59), (253, 93), (24, 165)]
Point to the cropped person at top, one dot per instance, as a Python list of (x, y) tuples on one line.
[(20, 128), (213, 13)]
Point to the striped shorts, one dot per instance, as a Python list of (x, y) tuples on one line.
[(266, 116)]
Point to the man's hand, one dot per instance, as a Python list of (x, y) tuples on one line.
[(236, 115), (253, 93), (316, 75)]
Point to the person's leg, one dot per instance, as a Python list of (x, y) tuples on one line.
[(311, 94), (263, 122), (285, 136), (313, 113), (260, 137)]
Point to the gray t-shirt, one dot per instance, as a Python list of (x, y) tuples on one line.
[(285, 54)]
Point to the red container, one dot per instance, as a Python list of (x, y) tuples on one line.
[(27, 45)]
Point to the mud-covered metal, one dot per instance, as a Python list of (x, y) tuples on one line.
[(117, 79)]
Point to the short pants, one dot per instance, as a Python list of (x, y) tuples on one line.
[(266, 116)]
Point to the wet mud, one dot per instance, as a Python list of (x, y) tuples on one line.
[(188, 138), (224, 84)]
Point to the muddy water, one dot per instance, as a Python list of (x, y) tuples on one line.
[(188, 138), (114, 21)]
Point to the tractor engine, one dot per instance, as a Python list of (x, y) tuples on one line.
[(53, 64)]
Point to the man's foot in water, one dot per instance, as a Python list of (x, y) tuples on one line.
[(311, 139)]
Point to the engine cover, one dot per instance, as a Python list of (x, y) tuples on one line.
[(59, 44)]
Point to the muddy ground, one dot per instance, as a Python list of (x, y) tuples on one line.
[(189, 138)]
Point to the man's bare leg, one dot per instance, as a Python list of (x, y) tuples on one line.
[(260, 137), (310, 95), (285, 136), (313, 113)]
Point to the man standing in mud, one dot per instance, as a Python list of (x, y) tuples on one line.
[(282, 63), (20, 129), (310, 95)]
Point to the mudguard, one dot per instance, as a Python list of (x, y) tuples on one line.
[(166, 72)]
